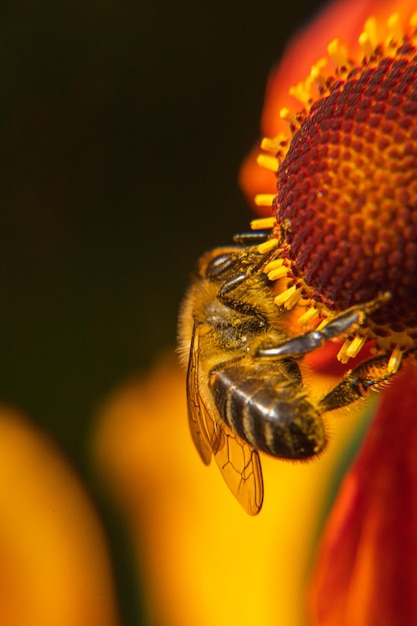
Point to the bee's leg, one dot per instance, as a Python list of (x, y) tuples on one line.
[(251, 238), (357, 383), (252, 260), (261, 230), (313, 339)]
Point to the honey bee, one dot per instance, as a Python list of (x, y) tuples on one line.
[(245, 390)]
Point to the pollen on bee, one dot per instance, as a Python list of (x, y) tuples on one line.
[(268, 162), (394, 360), (263, 223)]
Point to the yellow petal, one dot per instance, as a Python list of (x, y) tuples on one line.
[(54, 567), (204, 561)]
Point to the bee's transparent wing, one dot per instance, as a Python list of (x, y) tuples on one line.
[(196, 411), (238, 462)]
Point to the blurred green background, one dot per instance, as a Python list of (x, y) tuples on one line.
[(123, 125)]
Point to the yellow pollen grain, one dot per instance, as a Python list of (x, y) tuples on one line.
[(308, 316), (264, 199), (268, 162), (267, 245), (263, 222), (285, 296), (394, 360)]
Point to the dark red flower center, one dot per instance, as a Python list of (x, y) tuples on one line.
[(347, 192)]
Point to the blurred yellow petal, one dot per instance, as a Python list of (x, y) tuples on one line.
[(54, 567), (203, 560)]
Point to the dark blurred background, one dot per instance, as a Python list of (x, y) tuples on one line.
[(123, 125)]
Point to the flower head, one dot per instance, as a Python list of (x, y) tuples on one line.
[(345, 200), (346, 190)]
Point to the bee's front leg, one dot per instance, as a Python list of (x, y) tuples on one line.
[(313, 339)]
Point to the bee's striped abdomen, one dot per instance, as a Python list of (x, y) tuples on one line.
[(265, 406)]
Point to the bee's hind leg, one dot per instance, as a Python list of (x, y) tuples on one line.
[(356, 383)]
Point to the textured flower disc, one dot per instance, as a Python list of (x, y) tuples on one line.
[(347, 191)]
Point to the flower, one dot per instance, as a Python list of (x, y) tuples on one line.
[(205, 562), (55, 568), (346, 209)]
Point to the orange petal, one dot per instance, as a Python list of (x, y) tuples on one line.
[(366, 568), (54, 567)]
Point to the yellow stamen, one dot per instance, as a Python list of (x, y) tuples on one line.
[(293, 300), (338, 53), (370, 30), (267, 161), (366, 45), (395, 360), (413, 20), (341, 355), (316, 73), (273, 144), (322, 324), (394, 29), (267, 245), (288, 116), (263, 223), (285, 296), (264, 199), (273, 265), (278, 273), (302, 91), (355, 347), (308, 316)]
